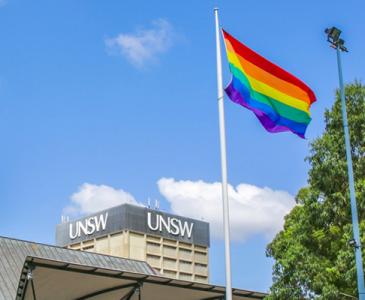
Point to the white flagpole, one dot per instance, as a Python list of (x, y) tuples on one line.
[(222, 134)]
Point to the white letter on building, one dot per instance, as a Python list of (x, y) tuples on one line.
[(165, 224), (149, 222), (91, 225), (174, 226), (73, 236), (187, 228), (82, 227), (101, 222)]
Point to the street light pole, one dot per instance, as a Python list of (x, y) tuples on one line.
[(333, 35)]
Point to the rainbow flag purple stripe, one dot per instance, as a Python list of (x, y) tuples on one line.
[(279, 100)]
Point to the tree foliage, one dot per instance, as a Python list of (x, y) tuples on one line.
[(313, 259)]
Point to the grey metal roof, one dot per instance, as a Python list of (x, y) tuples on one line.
[(14, 252)]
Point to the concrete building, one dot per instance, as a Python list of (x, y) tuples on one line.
[(175, 246)]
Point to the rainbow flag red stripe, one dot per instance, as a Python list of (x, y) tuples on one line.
[(279, 100)]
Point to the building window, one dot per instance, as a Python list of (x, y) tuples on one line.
[(169, 263), (170, 274), (154, 239), (185, 245), (201, 257), (200, 248), (185, 254), (185, 276), (88, 248), (153, 260), (169, 242), (169, 251), (153, 248), (185, 266), (202, 279), (75, 246), (200, 268)]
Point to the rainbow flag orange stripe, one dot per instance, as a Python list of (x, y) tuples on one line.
[(279, 100)]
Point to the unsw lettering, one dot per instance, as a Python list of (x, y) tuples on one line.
[(171, 225), (88, 226)]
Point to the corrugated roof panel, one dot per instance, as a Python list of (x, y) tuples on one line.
[(5, 292), (13, 253), (9, 265)]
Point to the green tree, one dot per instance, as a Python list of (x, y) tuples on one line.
[(313, 258)]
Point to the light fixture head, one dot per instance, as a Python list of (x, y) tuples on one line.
[(333, 36)]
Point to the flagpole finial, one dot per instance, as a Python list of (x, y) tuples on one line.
[(216, 8)]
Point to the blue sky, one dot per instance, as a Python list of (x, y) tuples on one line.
[(80, 112)]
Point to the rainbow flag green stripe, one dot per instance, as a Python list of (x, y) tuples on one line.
[(280, 101)]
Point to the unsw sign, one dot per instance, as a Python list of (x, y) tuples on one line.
[(134, 218), (157, 222), (170, 224), (88, 226)]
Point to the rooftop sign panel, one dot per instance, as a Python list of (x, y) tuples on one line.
[(134, 218)]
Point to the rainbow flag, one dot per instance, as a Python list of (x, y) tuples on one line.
[(278, 99)]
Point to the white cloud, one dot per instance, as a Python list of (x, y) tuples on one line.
[(145, 44), (253, 210), (92, 198)]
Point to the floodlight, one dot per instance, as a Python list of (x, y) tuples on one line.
[(333, 36)]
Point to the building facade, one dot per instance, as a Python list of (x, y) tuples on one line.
[(175, 246)]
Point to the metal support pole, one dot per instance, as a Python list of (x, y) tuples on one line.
[(139, 292), (222, 133), (130, 294), (30, 279), (355, 222)]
